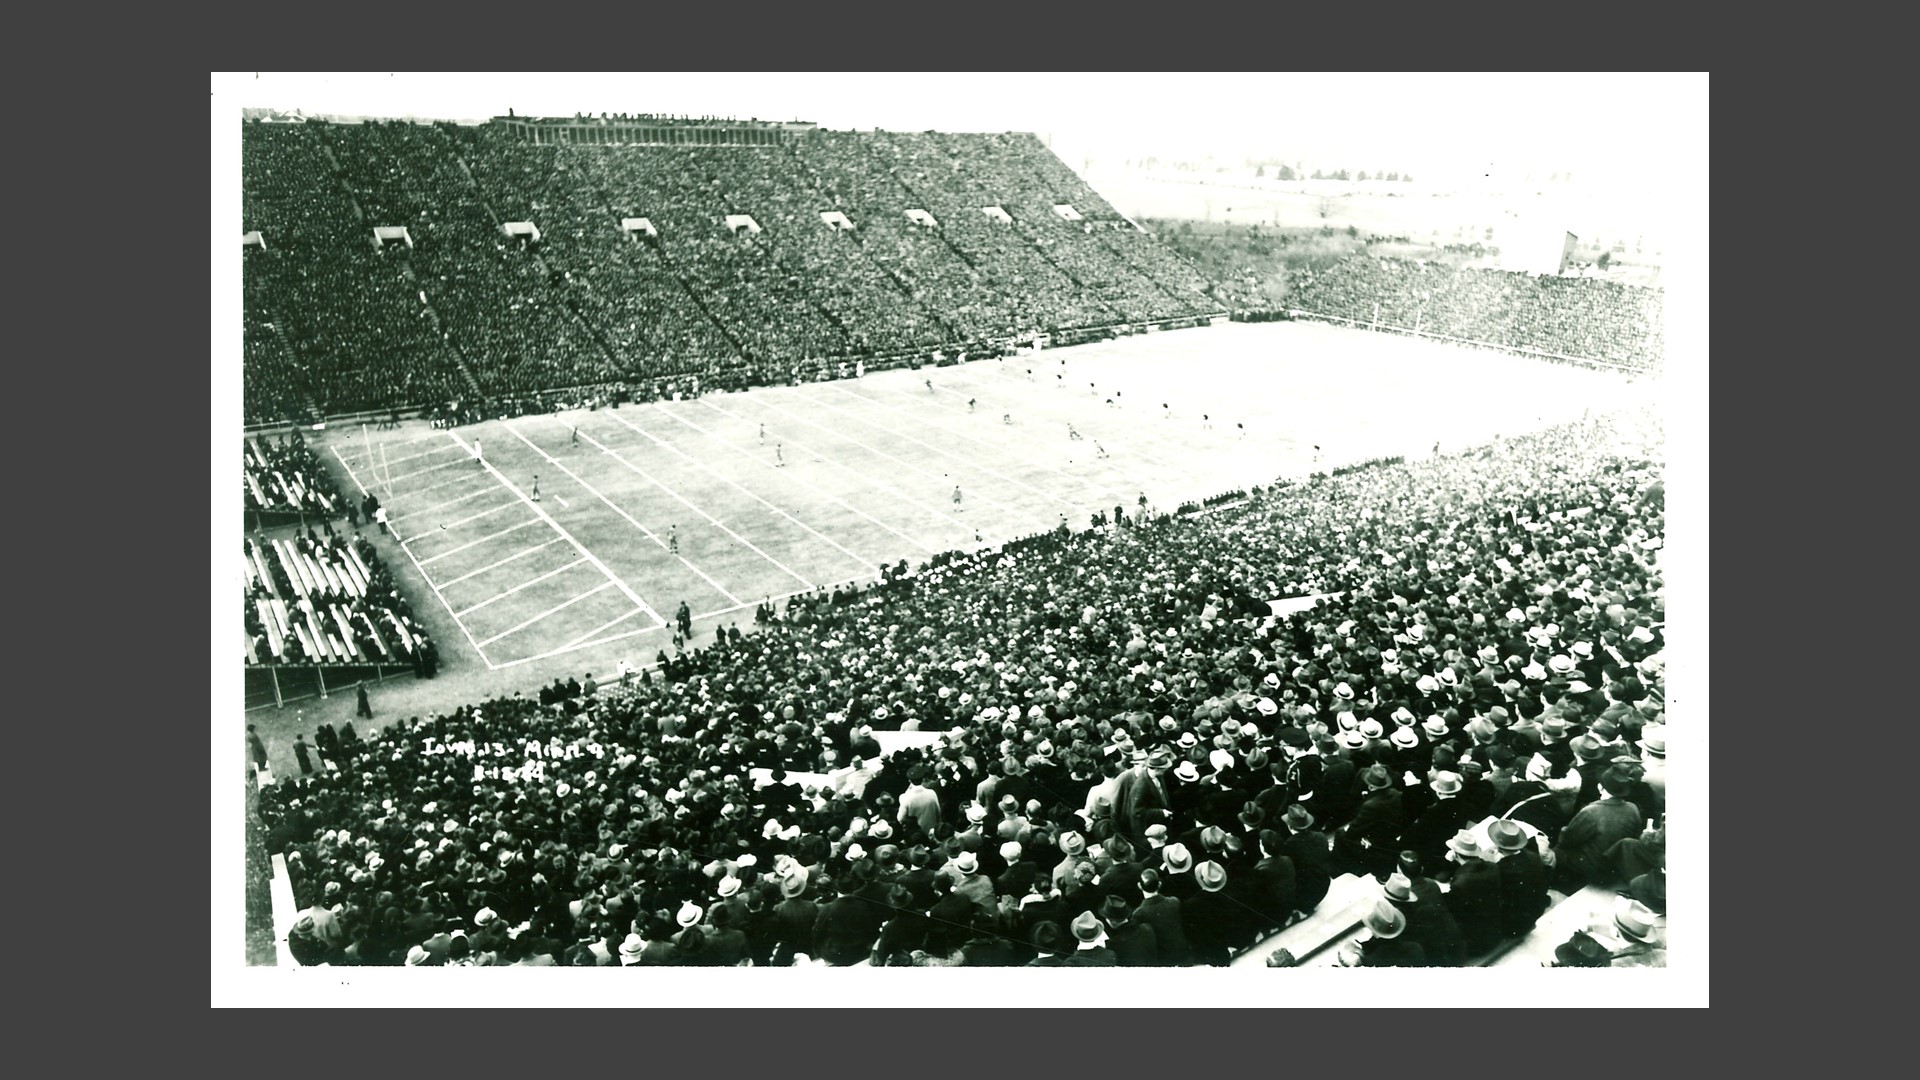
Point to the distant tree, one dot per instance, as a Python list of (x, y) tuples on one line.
[(1406, 178), (1342, 175), (1353, 230), (1606, 259), (1259, 171), (1288, 174), (1363, 175), (1393, 177), (1317, 175)]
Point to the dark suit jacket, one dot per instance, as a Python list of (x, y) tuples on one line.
[(1393, 952), (1134, 944), (1312, 868), (1475, 905), (1428, 835), (1333, 800), (1169, 928), (1137, 803), (1216, 922), (1581, 852), (1272, 887), (1431, 924), (844, 931), (1523, 891)]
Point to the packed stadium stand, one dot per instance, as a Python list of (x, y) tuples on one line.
[(404, 265), (1101, 748), (1561, 318)]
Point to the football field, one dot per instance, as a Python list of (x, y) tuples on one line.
[(583, 532)]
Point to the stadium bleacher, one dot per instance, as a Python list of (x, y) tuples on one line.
[(1498, 612), (1562, 318), (337, 323)]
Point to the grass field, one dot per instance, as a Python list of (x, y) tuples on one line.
[(856, 473)]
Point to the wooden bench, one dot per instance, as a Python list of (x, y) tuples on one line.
[(1587, 909), (1335, 921)]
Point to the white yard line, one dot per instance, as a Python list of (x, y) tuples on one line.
[(616, 508), (477, 650), (608, 625), (607, 584), (737, 448), (395, 461), (441, 484), (589, 645), (442, 505), (476, 517), (522, 552), (542, 515), (421, 472), (522, 585), (482, 540), (622, 459)]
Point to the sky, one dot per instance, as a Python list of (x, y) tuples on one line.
[(1616, 129)]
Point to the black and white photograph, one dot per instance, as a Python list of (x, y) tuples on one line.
[(1203, 523)]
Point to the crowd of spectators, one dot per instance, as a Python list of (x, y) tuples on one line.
[(1138, 763), (1575, 317), (337, 323), (345, 326), (327, 599), (285, 476)]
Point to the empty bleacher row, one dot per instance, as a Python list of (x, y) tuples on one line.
[(284, 476), (312, 601), (1557, 317), (458, 308)]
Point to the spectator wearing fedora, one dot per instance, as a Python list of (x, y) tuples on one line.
[(919, 803), (1385, 943), (1018, 875), (1429, 923), (1090, 943), (1216, 922), (1473, 896), (1140, 797), (1446, 815), (1653, 759), (844, 930), (951, 918), (1134, 944), (1641, 929), (1366, 845), (1164, 915), (1309, 848), (1273, 883), (903, 933), (1581, 852), (1334, 792), (1534, 801), (1523, 879), (1052, 945)]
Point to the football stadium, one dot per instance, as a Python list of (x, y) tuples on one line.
[(692, 541)]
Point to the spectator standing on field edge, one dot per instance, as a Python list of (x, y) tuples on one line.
[(362, 708)]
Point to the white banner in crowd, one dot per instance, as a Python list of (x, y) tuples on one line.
[(897, 740)]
